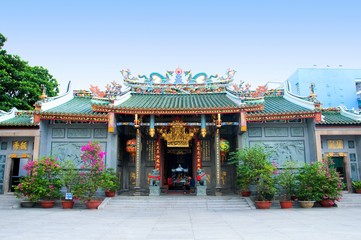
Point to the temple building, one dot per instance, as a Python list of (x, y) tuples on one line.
[(177, 122)]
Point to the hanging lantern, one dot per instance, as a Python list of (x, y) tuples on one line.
[(131, 148), (224, 148)]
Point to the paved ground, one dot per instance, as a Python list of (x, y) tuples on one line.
[(56, 223)]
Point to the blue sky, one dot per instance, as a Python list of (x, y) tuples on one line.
[(90, 42)]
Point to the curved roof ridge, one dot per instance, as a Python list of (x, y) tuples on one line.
[(298, 100)]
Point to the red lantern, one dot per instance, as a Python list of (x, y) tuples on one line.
[(131, 147), (224, 148)]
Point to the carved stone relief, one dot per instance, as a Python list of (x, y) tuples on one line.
[(283, 150), (69, 150)]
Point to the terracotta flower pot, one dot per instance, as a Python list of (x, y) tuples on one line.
[(245, 193), (286, 204), (263, 204), (66, 204), (27, 204), (93, 204), (306, 204), (327, 203), (358, 190), (47, 203), (109, 193)]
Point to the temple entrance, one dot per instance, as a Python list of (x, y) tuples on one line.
[(16, 172), (177, 168)]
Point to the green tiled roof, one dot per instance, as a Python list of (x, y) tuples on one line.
[(178, 101), (335, 118), (279, 105), (19, 120), (77, 105)]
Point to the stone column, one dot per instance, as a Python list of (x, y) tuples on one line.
[(36, 147), (318, 145), (218, 163), (138, 163)]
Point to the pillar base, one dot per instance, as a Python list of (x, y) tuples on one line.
[(219, 192), (154, 191), (136, 191), (201, 190)]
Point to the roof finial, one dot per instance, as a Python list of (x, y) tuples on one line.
[(43, 94)]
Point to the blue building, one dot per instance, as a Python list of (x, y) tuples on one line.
[(333, 86)]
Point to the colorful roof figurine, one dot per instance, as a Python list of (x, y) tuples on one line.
[(178, 92), (177, 82)]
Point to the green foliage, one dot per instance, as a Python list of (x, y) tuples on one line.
[(252, 166), (26, 189), (110, 180), (356, 185), (308, 188), (69, 174), (244, 162), (319, 180), (91, 173), (286, 179), (20, 83), (265, 183), (332, 184), (42, 182)]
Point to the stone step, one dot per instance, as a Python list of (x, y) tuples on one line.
[(185, 202), (8, 201), (350, 200)]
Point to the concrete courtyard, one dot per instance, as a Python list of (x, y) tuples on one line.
[(297, 223)]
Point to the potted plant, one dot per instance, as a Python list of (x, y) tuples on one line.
[(331, 182), (252, 166), (357, 186), (26, 192), (43, 176), (286, 183), (319, 181), (69, 177), (308, 188), (110, 182), (265, 183), (91, 174), (244, 160)]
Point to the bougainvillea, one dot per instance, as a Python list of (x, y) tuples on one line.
[(42, 182), (91, 172)]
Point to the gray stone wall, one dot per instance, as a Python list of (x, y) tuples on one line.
[(285, 140), (65, 140)]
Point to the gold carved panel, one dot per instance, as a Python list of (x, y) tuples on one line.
[(20, 145), (335, 144)]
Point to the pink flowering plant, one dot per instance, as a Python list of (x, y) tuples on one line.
[(91, 172), (331, 181), (318, 181), (42, 181)]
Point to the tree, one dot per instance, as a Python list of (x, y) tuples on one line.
[(20, 83)]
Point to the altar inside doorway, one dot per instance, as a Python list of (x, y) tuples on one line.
[(177, 168)]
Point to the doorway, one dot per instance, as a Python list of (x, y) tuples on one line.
[(16, 171), (340, 167), (177, 168)]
